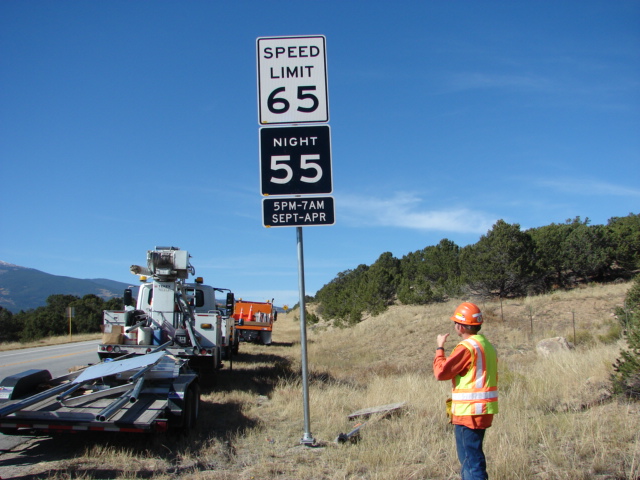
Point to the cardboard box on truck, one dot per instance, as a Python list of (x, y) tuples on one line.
[(112, 334)]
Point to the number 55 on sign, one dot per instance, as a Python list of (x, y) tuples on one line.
[(292, 80), (295, 160)]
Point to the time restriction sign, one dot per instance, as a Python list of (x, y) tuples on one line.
[(295, 160), (292, 80), (298, 211)]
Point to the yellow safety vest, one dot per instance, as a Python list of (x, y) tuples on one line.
[(476, 393)]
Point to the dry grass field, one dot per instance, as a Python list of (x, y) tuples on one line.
[(557, 418), (79, 337)]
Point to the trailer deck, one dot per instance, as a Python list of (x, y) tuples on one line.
[(141, 394)]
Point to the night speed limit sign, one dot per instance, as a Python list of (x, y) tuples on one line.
[(292, 80), (295, 160)]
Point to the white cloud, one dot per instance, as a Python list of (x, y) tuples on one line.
[(404, 210), (590, 187)]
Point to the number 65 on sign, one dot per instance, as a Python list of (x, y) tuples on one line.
[(292, 80)]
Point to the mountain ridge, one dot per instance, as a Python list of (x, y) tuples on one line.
[(25, 288)]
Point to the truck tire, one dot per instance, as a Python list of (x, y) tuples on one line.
[(191, 410), (184, 422), (265, 337), (195, 411)]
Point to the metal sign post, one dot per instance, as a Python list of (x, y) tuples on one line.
[(71, 312), (307, 438)]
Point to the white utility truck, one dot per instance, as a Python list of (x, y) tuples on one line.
[(183, 319)]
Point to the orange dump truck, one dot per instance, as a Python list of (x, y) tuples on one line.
[(254, 321)]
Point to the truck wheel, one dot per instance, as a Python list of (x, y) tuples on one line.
[(191, 410), (265, 337), (195, 411), (226, 353)]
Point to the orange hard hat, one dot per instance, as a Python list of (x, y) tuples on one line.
[(467, 314)]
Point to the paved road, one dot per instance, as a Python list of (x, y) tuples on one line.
[(57, 359)]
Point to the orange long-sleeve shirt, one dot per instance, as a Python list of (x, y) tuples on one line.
[(447, 368)]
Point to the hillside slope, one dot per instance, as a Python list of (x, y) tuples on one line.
[(24, 288), (557, 419)]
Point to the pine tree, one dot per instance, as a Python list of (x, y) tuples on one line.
[(626, 379)]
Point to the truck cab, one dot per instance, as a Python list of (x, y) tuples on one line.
[(204, 302)]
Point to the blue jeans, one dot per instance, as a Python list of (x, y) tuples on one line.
[(470, 454)]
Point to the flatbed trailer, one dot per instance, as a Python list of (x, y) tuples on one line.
[(149, 393)]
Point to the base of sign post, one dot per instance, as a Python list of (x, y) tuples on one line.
[(307, 441)]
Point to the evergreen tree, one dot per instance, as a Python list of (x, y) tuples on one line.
[(113, 304), (502, 263), (380, 283), (49, 320), (9, 326), (626, 379), (430, 274), (88, 314), (624, 239), (551, 254), (415, 292), (342, 298), (586, 250)]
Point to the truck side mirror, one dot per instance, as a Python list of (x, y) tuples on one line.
[(127, 298), (231, 301)]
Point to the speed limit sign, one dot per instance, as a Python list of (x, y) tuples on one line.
[(292, 80), (295, 160)]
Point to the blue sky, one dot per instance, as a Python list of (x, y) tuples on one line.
[(130, 124)]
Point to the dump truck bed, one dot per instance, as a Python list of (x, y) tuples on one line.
[(254, 321)]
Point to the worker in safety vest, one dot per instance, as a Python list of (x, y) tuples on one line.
[(472, 367)]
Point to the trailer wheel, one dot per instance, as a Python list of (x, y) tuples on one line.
[(191, 410), (195, 411)]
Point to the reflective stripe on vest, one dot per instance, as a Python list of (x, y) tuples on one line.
[(476, 393)]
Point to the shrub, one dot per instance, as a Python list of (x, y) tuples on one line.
[(626, 379), (612, 335)]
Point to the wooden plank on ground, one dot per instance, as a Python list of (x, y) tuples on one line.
[(367, 412)]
